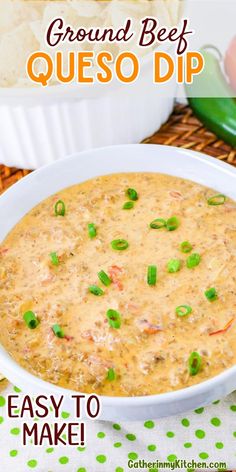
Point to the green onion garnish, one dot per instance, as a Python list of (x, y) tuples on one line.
[(58, 331), (132, 194), (119, 244), (96, 290), (152, 275), (60, 208), (215, 200), (30, 319), (111, 375), (54, 258), (105, 279), (172, 223), (173, 266), (193, 260), (194, 363), (128, 206), (158, 223), (183, 310), (114, 319), (186, 247), (92, 230), (211, 294)]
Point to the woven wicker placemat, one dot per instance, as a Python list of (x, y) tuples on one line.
[(183, 129)]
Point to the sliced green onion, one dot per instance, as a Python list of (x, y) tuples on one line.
[(193, 260), (58, 331), (31, 319), (173, 266), (152, 275), (60, 208), (111, 375), (216, 200), (172, 223), (119, 244), (114, 319), (183, 310), (92, 230), (105, 279), (54, 258), (186, 247), (211, 294), (194, 363), (158, 223), (96, 290), (128, 206), (132, 194)]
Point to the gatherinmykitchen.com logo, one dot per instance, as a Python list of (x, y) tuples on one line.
[(176, 464)]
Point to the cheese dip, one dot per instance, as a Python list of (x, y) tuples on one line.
[(123, 285)]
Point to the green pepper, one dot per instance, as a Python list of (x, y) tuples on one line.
[(217, 113)]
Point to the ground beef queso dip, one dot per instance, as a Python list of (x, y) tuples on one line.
[(123, 285)]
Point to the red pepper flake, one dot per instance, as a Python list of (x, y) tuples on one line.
[(3, 250), (175, 194), (68, 338), (114, 272), (223, 330)]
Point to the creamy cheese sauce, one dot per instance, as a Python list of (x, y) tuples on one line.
[(149, 353)]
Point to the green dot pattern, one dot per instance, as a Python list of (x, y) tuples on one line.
[(200, 434), (133, 456), (101, 459), (131, 437), (117, 427), (215, 421), (203, 455), (117, 444), (151, 448), (185, 422), (64, 460), (149, 424), (187, 445), (13, 453), (2, 401), (101, 435), (15, 431), (32, 463), (219, 445)]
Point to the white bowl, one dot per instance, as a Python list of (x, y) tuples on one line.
[(28, 192), (41, 125)]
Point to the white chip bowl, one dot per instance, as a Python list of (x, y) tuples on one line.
[(31, 190), (41, 125)]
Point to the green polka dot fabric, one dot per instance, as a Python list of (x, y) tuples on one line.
[(206, 434)]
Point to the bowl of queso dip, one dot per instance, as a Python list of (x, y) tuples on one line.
[(117, 277)]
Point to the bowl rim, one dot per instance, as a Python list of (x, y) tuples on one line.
[(8, 364)]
